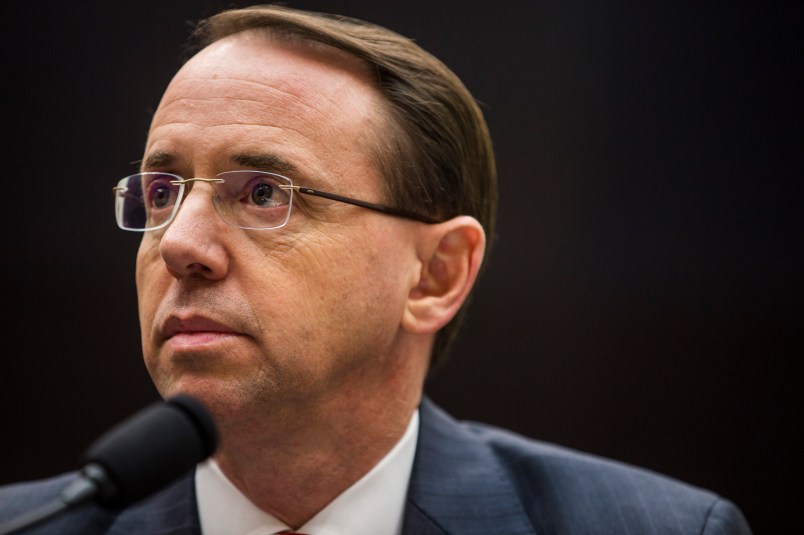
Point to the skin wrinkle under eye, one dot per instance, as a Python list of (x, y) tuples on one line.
[(236, 203)]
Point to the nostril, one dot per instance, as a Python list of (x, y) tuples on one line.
[(190, 248), (197, 268)]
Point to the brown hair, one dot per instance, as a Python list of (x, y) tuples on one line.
[(438, 158)]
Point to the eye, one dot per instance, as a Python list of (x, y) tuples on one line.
[(262, 193), (160, 192), (160, 196), (253, 190)]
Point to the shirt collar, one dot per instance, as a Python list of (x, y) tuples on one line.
[(374, 504)]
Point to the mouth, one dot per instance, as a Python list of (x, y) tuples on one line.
[(194, 331)]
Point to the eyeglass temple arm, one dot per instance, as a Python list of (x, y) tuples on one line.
[(399, 212)]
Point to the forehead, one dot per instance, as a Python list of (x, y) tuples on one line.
[(309, 104)]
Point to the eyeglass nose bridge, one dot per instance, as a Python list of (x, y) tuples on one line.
[(219, 206)]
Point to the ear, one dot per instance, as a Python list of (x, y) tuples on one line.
[(451, 254)]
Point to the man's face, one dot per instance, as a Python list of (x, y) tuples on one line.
[(307, 313)]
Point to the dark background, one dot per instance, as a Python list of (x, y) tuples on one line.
[(643, 301)]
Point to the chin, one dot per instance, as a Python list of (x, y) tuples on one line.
[(227, 401)]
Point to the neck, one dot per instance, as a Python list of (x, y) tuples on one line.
[(293, 471)]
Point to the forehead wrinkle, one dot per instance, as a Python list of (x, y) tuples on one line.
[(238, 88), (258, 114)]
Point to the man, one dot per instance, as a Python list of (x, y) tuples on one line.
[(317, 195)]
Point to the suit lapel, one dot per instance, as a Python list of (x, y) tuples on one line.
[(457, 485)]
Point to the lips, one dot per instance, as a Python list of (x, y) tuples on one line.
[(195, 330)]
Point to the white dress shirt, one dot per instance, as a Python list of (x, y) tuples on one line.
[(374, 504)]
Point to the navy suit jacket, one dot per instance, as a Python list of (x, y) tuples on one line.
[(467, 479)]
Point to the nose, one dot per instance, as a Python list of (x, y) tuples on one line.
[(192, 244)]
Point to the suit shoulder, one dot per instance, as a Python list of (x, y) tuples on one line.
[(581, 485), (558, 489)]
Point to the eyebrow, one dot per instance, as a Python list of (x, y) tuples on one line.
[(159, 158), (258, 161), (263, 162)]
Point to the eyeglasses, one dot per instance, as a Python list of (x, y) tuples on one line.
[(256, 200)]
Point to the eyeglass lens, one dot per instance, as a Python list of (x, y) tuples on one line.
[(247, 199)]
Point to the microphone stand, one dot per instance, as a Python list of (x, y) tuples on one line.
[(80, 491), (119, 471)]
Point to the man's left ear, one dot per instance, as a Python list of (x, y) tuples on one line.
[(451, 253)]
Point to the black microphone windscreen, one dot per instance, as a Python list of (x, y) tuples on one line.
[(151, 449)]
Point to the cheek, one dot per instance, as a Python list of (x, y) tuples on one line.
[(341, 284), (327, 268), (151, 277)]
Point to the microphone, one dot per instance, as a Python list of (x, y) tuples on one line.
[(136, 458)]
